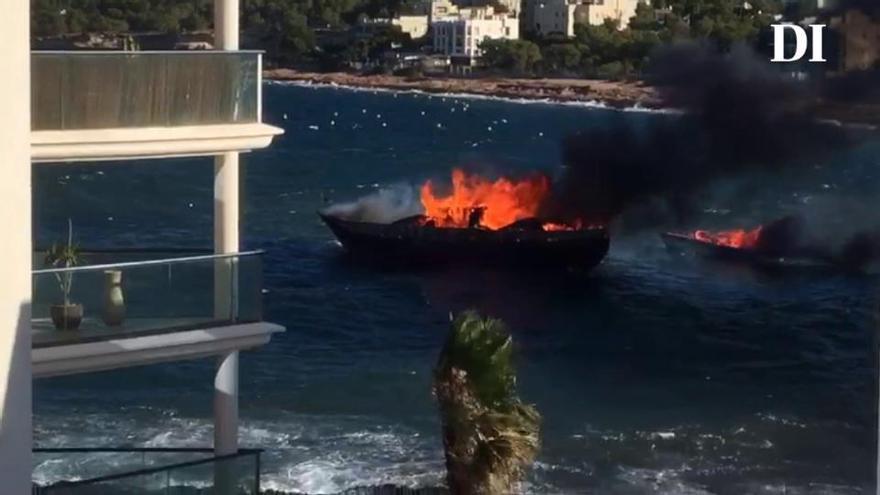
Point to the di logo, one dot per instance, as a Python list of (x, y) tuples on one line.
[(803, 41)]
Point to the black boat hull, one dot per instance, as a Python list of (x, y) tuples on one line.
[(686, 244), (410, 243)]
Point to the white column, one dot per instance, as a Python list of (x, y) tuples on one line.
[(226, 405), (226, 14), (15, 250), (226, 232)]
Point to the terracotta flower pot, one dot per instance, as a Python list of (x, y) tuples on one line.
[(66, 316)]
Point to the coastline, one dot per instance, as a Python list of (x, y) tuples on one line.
[(619, 95), (612, 94)]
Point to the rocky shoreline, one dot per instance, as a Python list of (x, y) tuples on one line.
[(611, 93)]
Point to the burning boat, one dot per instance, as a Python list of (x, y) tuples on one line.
[(479, 221), (779, 244)]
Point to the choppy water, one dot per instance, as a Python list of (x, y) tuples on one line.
[(654, 375)]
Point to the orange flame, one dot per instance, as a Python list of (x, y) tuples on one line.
[(739, 238), (502, 201)]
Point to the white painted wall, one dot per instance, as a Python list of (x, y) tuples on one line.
[(461, 37), (15, 250)]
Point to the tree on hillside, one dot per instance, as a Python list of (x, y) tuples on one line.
[(280, 27), (519, 56), (561, 58), (726, 21), (489, 435)]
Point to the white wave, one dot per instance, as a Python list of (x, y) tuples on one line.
[(659, 481), (313, 454), (334, 475), (592, 104)]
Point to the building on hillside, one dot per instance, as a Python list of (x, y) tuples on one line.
[(459, 36), (510, 7), (558, 17), (416, 26), (437, 9)]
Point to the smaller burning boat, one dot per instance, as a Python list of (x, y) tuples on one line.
[(776, 245), (479, 221)]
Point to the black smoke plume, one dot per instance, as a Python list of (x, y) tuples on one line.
[(740, 115), (794, 236)]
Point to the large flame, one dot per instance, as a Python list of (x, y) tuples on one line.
[(501, 201), (738, 238)]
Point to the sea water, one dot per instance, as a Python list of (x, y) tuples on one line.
[(655, 374)]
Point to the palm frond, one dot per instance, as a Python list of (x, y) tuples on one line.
[(490, 436)]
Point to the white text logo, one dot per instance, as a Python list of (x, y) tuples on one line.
[(802, 42)]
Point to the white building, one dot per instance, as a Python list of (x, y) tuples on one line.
[(558, 17), (416, 26), (61, 107), (459, 36)]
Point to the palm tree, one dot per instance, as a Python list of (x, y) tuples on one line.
[(489, 435)]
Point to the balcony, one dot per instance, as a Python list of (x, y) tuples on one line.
[(111, 105), (141, 311), (145, 471)]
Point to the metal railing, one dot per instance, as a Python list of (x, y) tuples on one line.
[(239, 473), (123, 295), (77, 90)]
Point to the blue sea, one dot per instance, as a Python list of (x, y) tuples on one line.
[(654, 374)]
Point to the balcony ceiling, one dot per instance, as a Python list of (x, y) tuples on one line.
[(149, 142), (124, 351)]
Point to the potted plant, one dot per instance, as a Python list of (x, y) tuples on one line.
[(65, 316)]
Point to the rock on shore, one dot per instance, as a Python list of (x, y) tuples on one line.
[(611, 93)]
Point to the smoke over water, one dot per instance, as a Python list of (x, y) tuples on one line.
[(383, 206), (741, 116)]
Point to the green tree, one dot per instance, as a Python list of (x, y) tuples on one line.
[(280, 27), (561, 58), (518, 56), (489, 434)]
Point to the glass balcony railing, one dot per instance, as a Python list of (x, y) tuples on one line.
[(144, 471), (131, 296), (98, 90)]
